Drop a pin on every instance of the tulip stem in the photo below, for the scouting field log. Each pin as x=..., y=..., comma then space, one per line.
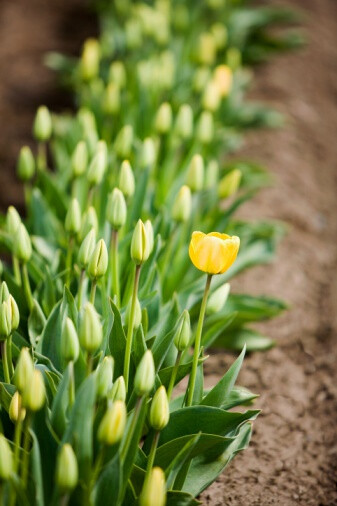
x=152, y=454
x=197, y=342
x=26, y=287
x=93, y=291
x=80, y=289
x=69, y=260
x=5, y=361
x=9, y=355
x=41, y=156
x=17, y=440
x=16, y=270
x=130, y=328
x=25, y=457
x=173, y=376
x=115, y=266
x=71, y=384
x=129, y=434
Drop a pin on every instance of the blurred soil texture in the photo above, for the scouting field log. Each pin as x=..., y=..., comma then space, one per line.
x=292, y=459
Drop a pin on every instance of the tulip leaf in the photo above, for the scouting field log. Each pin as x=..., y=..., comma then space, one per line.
x=110, y=479
x=36, y=323
x=236, y=339
x=178, y=498
x=59, y=407
x=117, y=341
x=37, y=471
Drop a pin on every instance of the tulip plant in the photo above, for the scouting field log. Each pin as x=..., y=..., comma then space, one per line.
x=118, y=279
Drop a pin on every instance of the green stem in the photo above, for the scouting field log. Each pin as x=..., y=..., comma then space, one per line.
x=5, y=361
x=129, y=434
x=69, y=260
x=80, y=290
x=115, y=266
x=9, y=355
x=26, y=287
x=197, y=342
x=71, y=384
x=25, y=457
x=17, y=441
x=173, y=376
x=64, y=499
x=130, y=328
x=152, y=454
x=42, y=156
x=93, y=291
x=16, y=270
x=89, y=364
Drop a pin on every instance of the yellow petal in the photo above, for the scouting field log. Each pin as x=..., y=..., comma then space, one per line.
x=224, y=237
x=196, y=238
x=209, y=255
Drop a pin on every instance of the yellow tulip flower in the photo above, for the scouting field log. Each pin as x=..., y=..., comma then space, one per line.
x=213, y=253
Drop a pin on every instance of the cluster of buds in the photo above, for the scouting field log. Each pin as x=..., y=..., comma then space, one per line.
x=29, y=382
x=9, y=313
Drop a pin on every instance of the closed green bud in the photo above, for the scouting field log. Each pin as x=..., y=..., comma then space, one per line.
x=13, y=220
x=154, y=489
x=149, y=237
x=66, y=469
x=116, y=209
x=184, y=122
x=112, y=426
x=205, y=127
x=5, y=321
x=98, y=263
x=104, y=376
x=182, y=206
x=211, y=99
x=117, y=74
x=90, y=221
x=42, y=124
x=34, y=393
x=145, y=375
x=229, y=184
x=69, y=342
x=22, y=246
x=163, y=121
x=233, y=58
x=220, y=34
x=123, y=142
x=24, y=370
x=138, y=314
x=73, y=218
x=212, y=174
x=182, y=336
x=112, y=99
x=90, y=332
x=133, y=33
x=207, y=49
x=16, y=410
x=4, y=292
x=139, y=246
x=159, y=411
x=86, y=249
x=218, y=299
x=98, y=164
x=126, y=179
x=14, y=312
x=89, y=64
x=6, y=460
x=148, y=154
x=26, y=164
x=195, y=173
x=79, y=159
x=118, y=391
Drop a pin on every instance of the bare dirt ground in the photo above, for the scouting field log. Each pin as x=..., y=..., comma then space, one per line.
x=292, y=459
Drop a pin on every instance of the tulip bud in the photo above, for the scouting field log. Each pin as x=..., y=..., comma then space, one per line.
x=145, y=375
x=211, y=98
x=26, y=164
x=98, y=164
x=98, y=263
x=126, y=179
x=159, y=411
x=184, y=122
x=148, y=155
x=163, y=121
x=16, y=411
x=90, y=221
x=212, y=174
x=69, y=342
x=117, y=74
x=86, y=249
x=90, y=332
x=137, y=316
x=201, y=78
x=42, y=124
x=22, y=245
x=112, y=426
x=104, y=376
x=79, y=159
x=66, y=469
x=182, y=336
x=182, y=206
x=14, y=313
x=233, y=58
x=154, y=489
x=205, y=127
x=6, y=460
x=195, y=173
x=116, y=209
x=220, y=34
x=139, y=247
x=24, y=370
x=4, y=292
x=13, y=220
x=133, y=33
x=230, y=183
x=207, y=49
x=5, y=321
x=89, y=64
x=218, y=299
x=34, y=393
x=223, y=78
x=73, y=218
x=112, y=99
x=149, y=237
x=123, y=142
x=118, y=391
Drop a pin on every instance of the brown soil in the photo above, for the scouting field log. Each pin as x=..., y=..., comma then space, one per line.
x=293, y=454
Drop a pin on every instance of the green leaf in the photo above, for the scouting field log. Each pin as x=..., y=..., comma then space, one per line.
x=117, y=341
x=36, y=323
x=59, y=407
x=177, y=498
x=36, y=471
x=236, y=339
x=109, y=483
